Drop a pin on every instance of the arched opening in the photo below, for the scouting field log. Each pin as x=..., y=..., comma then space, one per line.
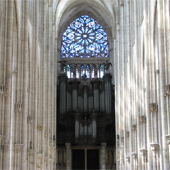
x=86, y=113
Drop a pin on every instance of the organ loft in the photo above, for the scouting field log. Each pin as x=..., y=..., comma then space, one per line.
x=84, y=84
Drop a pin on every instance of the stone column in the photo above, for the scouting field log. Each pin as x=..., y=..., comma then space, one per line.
x=153, y=108
x=167, y=95
x=1, y=149
x=68, y=156
x=161, y=21
x=103, y=156
x=155, y=150
x=144, y=158
x=134, y=161
x=18, y=156
x=8, y=151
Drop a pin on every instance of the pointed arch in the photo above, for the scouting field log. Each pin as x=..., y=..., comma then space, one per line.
x=84, y=37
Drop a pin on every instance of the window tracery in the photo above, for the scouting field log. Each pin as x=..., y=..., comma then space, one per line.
x=84, y=38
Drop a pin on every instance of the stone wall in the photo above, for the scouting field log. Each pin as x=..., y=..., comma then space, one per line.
x=27, y=85
x=30, y=38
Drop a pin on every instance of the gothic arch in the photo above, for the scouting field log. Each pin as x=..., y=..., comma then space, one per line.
x=73, y=10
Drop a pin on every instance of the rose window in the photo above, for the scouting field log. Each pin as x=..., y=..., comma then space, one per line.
x=84, y=37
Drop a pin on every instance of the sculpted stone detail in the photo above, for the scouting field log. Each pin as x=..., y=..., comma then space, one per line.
x=122, y=160
x=153, y=107
x=18, y=147
x=40, y=127
x=19, y=107
x=127, y=133
x=3, y=90
x=134, y=155
x=144, y=154
x=154, y=146
x=168, y=139
x=142, y=119
x=166, y=90
x=134, y=127
x=14, y=71
x=128, y=158
x=30, y=119
x=46, y=134
x=122, y=141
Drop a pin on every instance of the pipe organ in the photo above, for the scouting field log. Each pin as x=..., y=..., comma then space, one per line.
x=86, y=105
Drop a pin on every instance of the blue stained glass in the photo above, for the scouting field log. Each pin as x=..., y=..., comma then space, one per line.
x=84, y=37
x=88, y=66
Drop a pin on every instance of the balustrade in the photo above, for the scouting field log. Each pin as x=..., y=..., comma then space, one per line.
x=84, y=70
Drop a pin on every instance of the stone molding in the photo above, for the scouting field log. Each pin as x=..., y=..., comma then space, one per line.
x=118, y=143
x=118, y=161
x=157, y=72
x=142, y=119
x=168, y=139
x=122, y=141
x=40, y=127
x=144, y=154
x=134, y=155
x=128, y=158
x=166, y=90
x=18, y=146
x=3, y=90
x=30, y=119
x=122, y=160
x=46, y=134
x=2, y=136
x=31, y=151
x=121, y=3
x=134, y=127
x=154, y=147
x=2, y=142
x=91, y=60
x=6, y=146
x=39, y=156
x=19, y=107
x=153, y=107
x=127, y=133
x=45, y=158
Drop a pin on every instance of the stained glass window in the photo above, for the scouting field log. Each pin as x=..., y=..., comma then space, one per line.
x=84, y=37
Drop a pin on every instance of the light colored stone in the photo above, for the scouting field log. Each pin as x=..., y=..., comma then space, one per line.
x=30, y=42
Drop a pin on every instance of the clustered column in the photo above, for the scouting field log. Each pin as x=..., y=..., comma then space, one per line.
x=103, y=156
x=68, y=156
